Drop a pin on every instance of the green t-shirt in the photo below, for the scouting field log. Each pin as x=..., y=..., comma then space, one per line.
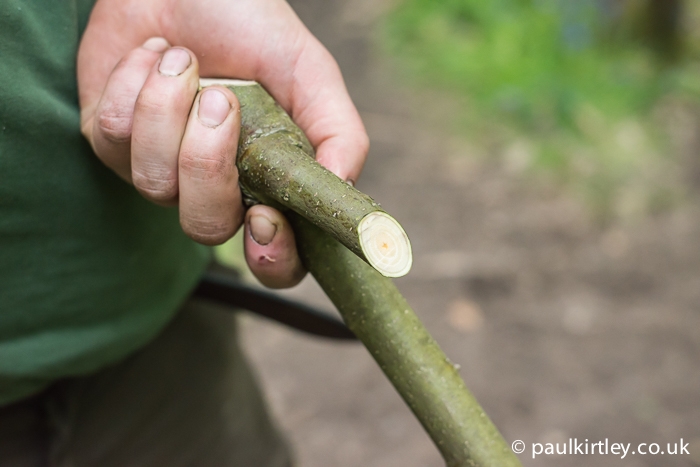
x=89, y=270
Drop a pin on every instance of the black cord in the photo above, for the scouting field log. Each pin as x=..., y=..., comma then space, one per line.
x=223, y=286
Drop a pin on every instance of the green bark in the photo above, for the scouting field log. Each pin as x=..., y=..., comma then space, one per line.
x=275, y=169
x=275, y=162
x=380, y=317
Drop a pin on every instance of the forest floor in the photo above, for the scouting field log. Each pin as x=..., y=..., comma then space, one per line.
x=563, y=328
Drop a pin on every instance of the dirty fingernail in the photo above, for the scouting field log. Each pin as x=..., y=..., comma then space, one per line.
x=262, y=230
x=156, y=44
x=175, y=61
x=213, y=108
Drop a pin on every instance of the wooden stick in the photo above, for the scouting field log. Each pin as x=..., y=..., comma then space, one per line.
x=336, y=239
x=275, y=168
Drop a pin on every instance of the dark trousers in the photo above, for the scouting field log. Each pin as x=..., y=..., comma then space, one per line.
x=188, y=399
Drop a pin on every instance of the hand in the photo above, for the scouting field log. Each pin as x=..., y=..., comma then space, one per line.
x=144, y=118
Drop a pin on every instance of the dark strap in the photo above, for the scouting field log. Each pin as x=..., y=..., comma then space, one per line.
x=224, y=288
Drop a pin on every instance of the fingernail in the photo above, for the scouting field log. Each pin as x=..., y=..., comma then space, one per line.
x=262, y=230
x=213, y=108
x=175, y=61
x=350, y=182
x=156, y=44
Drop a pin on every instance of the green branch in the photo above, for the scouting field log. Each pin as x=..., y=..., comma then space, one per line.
x=276, y=167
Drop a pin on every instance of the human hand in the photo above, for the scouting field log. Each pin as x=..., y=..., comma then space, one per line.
x=144, y=118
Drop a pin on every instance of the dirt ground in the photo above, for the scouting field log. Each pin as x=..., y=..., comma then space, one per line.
x=562, y=329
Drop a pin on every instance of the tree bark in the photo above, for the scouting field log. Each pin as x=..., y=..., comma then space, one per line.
x=275, y=168
x=426, y=379
x=369, y=303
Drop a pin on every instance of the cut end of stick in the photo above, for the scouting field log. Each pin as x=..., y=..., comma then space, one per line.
x=385, y=244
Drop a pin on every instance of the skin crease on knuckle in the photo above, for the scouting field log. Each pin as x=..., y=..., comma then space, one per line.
x=212, y=222
x=160, y=189
x=210, y=167
x=114, y=123
x=158, y=103
x=210, y=232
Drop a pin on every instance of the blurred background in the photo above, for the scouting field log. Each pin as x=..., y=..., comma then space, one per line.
x=544, y=158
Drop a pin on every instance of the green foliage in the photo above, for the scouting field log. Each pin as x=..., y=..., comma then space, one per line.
x=555, y=77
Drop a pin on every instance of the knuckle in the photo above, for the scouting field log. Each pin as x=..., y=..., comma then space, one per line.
x=114, y=124
x=209, y=232
x=155, y=188
x=154, y=102
x=214, y=168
